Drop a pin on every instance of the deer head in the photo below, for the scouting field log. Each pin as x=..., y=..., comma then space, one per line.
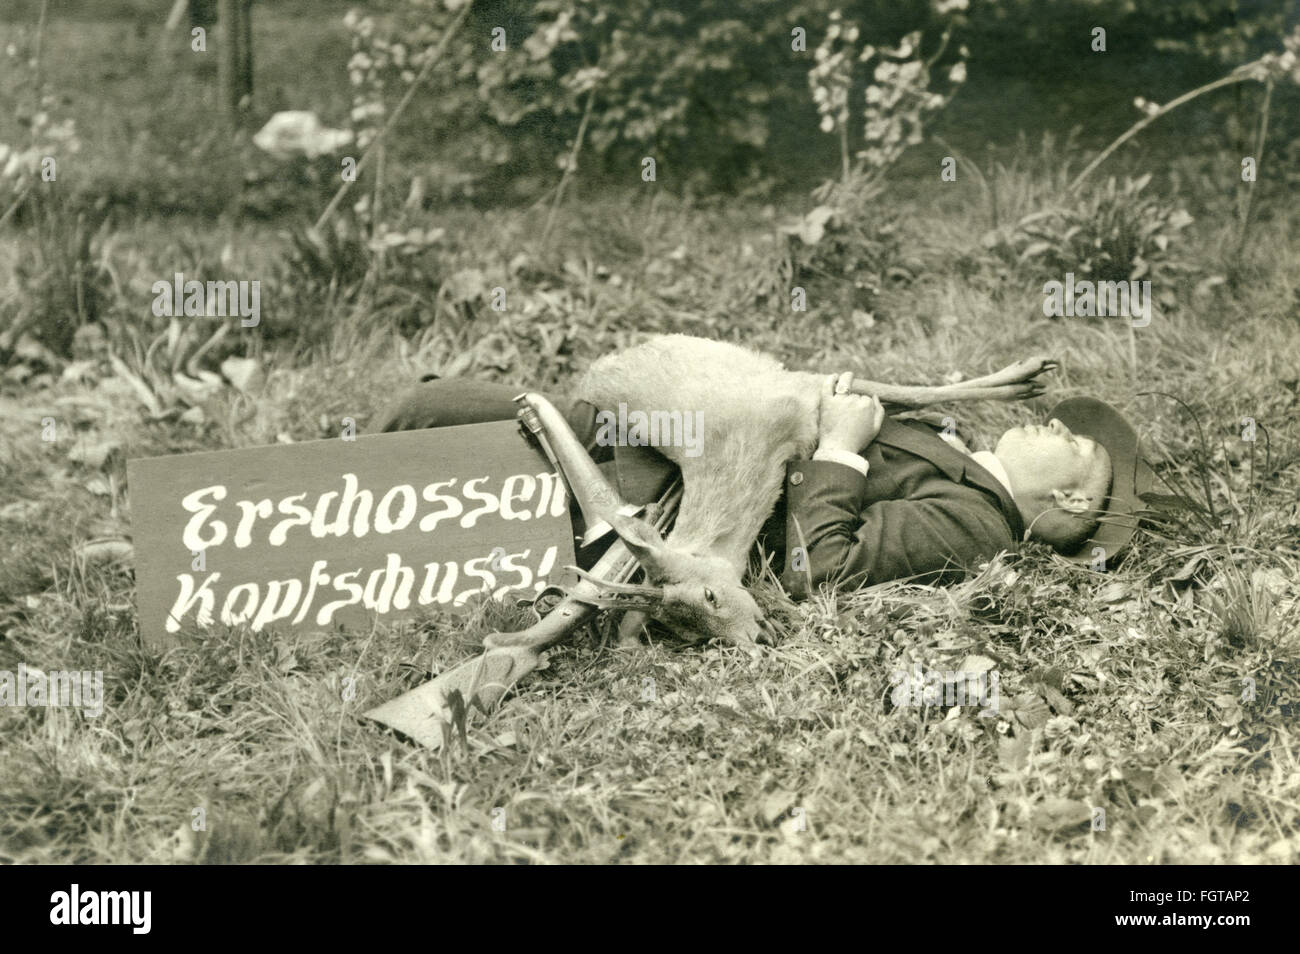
x=696, y=595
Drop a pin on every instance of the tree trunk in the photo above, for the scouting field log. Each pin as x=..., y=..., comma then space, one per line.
x=245, y=72
x=235, y=59
x=203, y=13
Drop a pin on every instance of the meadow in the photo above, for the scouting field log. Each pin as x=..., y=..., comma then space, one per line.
x=1163, y=691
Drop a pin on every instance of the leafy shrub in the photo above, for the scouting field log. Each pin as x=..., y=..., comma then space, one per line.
x=333, y=259
x=850, y=237
x=1111, y=232
x=849, y=245
x=705, y=86
x=61, y=286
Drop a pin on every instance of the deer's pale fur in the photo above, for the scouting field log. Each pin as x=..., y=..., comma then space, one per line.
x=756, y=415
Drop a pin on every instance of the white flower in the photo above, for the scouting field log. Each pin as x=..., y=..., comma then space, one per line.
x=828, y=123
x=1147, y=107
x=299, y=132
x=958, y=73
x=22, y=163
x=364, y=111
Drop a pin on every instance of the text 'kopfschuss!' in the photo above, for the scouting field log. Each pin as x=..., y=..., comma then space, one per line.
x=306, y=536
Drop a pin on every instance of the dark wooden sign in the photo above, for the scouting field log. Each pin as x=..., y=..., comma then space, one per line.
x=306, y=536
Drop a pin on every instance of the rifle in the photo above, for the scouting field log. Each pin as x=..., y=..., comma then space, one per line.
x=480, y=683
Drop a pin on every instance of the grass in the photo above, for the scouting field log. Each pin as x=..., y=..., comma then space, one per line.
x=1123, y=691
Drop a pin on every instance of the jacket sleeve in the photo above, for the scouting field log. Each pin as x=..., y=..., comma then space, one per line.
x=834, y=534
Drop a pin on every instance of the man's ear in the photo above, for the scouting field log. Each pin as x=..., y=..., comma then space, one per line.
x=1076, y=501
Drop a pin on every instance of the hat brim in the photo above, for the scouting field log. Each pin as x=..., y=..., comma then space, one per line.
x=1131, y=476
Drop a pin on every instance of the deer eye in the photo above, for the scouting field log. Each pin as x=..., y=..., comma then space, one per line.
x=710, y=598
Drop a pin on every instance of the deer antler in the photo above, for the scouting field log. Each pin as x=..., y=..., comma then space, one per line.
x=508, y=657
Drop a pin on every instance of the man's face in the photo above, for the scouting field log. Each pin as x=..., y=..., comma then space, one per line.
x=1051, y=469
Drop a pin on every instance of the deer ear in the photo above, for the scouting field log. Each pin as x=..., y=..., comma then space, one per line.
x=636, y=533
x=644, y=541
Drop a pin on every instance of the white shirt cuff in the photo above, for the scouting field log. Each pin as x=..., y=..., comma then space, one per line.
x=856, y=461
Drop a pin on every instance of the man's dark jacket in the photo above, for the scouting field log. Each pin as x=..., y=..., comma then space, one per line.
x=925, y=510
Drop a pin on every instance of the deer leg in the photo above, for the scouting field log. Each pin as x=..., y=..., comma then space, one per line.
x=1017, y=373
x=1016, y=382
x=904, y=397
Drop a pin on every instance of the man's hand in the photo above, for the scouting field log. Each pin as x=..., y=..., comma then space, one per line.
x=849, y=422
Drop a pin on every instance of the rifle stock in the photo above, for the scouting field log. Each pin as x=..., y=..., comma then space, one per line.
x=507, y=657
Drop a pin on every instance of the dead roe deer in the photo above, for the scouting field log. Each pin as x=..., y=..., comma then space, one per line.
x=756, y=416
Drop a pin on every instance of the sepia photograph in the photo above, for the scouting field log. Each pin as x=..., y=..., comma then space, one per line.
x=650, y=432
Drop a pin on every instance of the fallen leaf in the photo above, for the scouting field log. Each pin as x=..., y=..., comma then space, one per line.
x=1030, y=710
x=94, y=455
x=106, y=551
x=775, y=803
x=977, y=664
x=78, y=371
x=1188, y=569
x=1013, y=751
x=1056, y=700
x=244, y=373
x=1055, y=814
x=20, y=510
x=1114, y=592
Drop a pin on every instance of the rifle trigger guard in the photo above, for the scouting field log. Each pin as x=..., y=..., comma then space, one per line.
x=547, y=600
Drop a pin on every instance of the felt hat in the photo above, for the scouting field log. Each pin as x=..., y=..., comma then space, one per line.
x=1131, y=476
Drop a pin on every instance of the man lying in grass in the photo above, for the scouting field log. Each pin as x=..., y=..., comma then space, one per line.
x=885, y=498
